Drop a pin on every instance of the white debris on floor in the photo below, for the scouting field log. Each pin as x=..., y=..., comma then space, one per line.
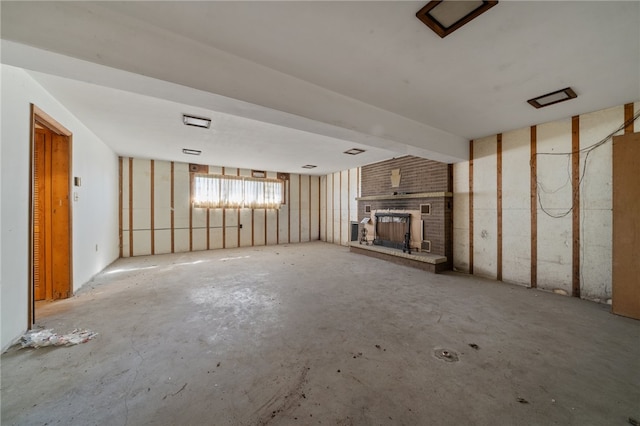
x=41, y=338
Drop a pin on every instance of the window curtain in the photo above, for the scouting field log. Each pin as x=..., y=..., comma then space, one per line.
x=236, y=192
x=262, y=193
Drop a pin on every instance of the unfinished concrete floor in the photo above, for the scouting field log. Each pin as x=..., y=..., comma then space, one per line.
x=312, y=334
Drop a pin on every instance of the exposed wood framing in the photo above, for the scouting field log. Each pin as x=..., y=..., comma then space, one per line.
x=499, y=206
x=130, y=207
x=534, y=207
x=120, y=206
x=471, y=207
x=153, y=241
x=628, y=116
x=173, y=237
x=575, y=184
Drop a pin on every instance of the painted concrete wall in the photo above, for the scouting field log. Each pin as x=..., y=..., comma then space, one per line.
x=338, y=205
x=461, y=217
x=95, y=219
x=484, y=207
x=516, y=211
x=596, y=204
x=296, y=221
x=553, y=226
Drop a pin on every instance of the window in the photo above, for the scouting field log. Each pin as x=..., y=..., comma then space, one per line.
x=236, y=192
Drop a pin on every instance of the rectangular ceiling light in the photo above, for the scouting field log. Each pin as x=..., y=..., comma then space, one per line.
x=190, y=120
x=446, y=16
x=354, y=151
x=553, y=98
x=191, y=151
x=309, y=166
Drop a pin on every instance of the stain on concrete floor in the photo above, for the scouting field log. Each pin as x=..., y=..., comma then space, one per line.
x=312, y=334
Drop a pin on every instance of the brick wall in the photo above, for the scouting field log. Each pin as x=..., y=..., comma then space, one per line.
x=418, y=175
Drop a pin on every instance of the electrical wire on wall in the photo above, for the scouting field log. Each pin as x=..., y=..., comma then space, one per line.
x=586, y=151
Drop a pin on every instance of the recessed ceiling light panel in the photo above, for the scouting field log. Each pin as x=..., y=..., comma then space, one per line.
x=309, y=166
x=354, y=151
x=553, y=98
x=446, y=16
x=190, y=120
x=191, y=151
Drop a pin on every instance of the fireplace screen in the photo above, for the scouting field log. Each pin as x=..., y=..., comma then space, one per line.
x=393, y=230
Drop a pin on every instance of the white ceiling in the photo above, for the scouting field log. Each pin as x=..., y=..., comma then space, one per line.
x=297, y=82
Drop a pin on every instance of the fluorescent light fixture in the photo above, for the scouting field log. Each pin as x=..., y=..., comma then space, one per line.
x=191, y=120
x=309, y=166
x=354, y=151
x=553, y=98
x=191, y=151
x=446, y=16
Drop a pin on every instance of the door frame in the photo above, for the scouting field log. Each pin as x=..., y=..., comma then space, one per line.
x=40, y=117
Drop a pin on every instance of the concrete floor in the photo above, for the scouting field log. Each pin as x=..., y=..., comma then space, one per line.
x=312, y=334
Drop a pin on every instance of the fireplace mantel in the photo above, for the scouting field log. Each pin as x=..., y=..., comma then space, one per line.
x=405, y=196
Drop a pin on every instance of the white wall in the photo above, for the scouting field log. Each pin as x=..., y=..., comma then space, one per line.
x=484, y=207
x=554, y=263
x=338, y=205
x=95, y=220
x=516, y=207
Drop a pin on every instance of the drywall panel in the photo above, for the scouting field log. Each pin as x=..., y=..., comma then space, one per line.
x=272, y=226
x=142, y=242
x=231, y=228
x=215, y=228
x=283, y=219
x=181, y=240
x=354, y=192
x=461, y=216
x=95, y=213
x=516, y=207
x=337, y=208
x=141, y=195
x=199, y=229
x=323, y=208
x=162, y=238
x=294, y=219
x=162, y=195
x=596, y=203
x=554, y=206
x=305, y=211
x=484, y=207
x=259, y=228
x=246, y=231
x=181, y=196
x=345, y=210
x=314, y=206
x=353, y=203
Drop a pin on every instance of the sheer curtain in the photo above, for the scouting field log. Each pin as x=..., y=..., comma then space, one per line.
x=262, y=193
x=236, y=192
x=231, y=194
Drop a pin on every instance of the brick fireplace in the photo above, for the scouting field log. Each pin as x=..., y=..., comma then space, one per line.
x=415, y=187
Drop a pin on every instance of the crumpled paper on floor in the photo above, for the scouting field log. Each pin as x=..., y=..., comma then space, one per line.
x=41, y=338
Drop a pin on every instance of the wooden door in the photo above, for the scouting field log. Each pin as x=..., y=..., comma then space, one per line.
x=41, y=169
x=60, y=218
x=51, y=216
x=626, y=226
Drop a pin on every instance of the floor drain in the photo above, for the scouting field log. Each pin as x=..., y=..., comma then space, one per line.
x=446, y=355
